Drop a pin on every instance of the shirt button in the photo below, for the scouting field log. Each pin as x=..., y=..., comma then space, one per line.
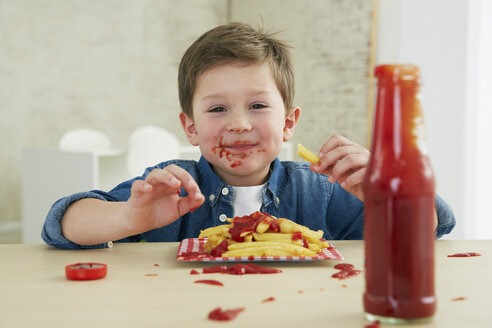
x=222, y=218
x=225, y=191
x=211, y=197
x=277, y=200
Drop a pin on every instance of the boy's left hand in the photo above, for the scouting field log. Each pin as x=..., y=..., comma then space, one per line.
x=344, y=162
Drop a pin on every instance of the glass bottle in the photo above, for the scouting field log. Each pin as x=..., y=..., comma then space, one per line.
x=399, y=204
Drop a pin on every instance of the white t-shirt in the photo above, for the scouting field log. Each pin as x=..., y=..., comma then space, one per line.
x=247, y=199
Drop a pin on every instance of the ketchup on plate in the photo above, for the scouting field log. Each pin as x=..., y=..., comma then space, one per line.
x=399, y=204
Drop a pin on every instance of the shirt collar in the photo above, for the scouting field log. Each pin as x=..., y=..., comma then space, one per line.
x=212, y=184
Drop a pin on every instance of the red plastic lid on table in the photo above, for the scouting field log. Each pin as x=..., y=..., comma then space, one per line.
x=86, y=271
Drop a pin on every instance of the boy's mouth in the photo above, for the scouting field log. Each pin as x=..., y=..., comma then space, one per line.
x=240, y=146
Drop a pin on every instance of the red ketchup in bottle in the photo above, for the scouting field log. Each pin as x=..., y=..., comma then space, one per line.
x=399, y=204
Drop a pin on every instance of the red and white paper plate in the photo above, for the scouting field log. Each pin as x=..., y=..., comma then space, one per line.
x=191, y=249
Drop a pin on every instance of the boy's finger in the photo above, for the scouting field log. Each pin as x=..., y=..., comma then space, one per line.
x=351, y=162
x=333, y=142
x=163, y=176
x=139, y=187
x=354, y=178
x=334, y=156
x=190, y=203
x=187, y=181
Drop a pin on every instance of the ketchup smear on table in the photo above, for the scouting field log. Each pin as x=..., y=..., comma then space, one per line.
x=346, y=271
x=459, y=299
x=194, y=272
x=375, y=324
x=227, y=315
x=209, y=282
x=240, y=269
x=470, y=254
x=270, y=299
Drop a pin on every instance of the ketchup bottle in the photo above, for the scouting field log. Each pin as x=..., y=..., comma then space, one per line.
x=399, y=204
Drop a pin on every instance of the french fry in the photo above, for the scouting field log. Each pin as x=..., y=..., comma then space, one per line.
x=268, y=236
x=264, y=235
x=271, y=249
x=222, y=229
x=306, y=154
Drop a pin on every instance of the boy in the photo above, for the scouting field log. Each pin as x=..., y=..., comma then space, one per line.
x=236, y=89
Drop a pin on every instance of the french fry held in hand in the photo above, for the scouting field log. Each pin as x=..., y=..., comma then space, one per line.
x=306, y=154
x=261, y=234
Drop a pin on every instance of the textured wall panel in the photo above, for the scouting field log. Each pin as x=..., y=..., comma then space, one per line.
x=109, y=65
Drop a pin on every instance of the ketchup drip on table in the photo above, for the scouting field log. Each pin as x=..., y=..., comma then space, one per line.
x=194, y=272
x=469, y=254
x=375, y=324
x=209, y=282
x=240, y=269
x=227, y=315
x=458, y=299
x=346, y=271
x=249, y=223
x=344, y=266
x=270, y=299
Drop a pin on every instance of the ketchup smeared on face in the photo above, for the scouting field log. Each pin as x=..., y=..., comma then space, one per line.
x=209, y=282
x=470, y=254
x=346, y=271
x=227, y=315
x=240, y=269
x=225, y=152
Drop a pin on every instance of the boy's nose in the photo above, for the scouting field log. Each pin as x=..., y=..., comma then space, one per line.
x=239, y=123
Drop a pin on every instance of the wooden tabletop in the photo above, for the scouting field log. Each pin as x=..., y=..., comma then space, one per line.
x=35, y=293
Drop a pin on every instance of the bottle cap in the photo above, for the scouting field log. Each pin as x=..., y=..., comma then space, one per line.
x=397, y=73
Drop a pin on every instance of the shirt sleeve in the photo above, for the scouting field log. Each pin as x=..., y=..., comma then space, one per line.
x=52, y=233
x=345, y=215
x=445, y=217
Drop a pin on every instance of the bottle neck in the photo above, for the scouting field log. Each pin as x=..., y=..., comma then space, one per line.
x=398, y=121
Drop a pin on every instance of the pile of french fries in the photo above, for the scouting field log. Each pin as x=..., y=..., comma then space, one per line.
x=290, y=239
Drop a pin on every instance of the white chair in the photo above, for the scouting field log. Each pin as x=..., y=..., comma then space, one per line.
x=84, y=140
x=148, y=146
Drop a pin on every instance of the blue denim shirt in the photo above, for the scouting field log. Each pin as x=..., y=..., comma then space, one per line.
x=293, y=191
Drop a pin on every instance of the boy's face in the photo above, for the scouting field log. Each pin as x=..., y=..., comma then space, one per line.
x=239, y=121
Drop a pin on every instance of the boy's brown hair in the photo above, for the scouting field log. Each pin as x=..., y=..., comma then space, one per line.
x=231, y=42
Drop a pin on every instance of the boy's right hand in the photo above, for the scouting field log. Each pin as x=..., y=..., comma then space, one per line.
x=155, y=201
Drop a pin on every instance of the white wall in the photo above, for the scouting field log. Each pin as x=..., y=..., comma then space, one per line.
x=433, y=35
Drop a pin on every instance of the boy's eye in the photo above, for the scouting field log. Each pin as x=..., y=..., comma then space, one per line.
x=257, y=106
x=217, y=109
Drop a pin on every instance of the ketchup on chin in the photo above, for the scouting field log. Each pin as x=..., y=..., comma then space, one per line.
x=399, y=204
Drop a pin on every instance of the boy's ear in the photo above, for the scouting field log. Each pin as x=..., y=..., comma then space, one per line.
x=189, y=128
x=290, y=122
